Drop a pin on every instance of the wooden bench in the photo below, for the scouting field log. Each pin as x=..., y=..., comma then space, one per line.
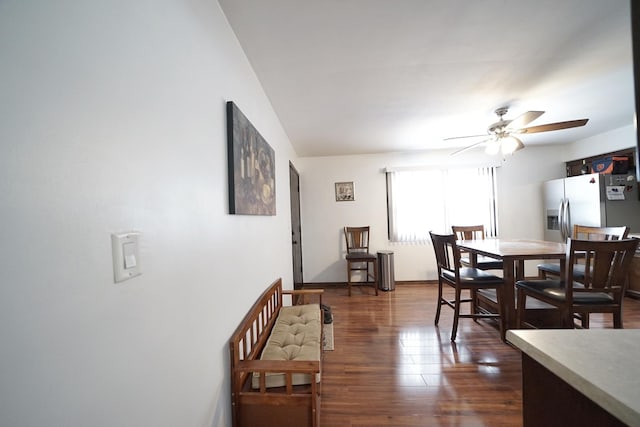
x=289, y=405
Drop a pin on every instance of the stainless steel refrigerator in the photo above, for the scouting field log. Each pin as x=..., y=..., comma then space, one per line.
x=597, y=200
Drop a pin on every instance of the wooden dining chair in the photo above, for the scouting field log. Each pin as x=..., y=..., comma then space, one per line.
x=606, y=265
x=475, y=232
x=358, y=257
x=583, y=232
x=452, y=274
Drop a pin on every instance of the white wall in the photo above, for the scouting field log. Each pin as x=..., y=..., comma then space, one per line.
x=112, y=119
x=618, y=139
x=519, y=197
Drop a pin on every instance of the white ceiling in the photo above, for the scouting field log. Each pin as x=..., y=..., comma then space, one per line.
x=371, y=76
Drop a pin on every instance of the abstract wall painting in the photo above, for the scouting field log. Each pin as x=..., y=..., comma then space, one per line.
x=252, y=167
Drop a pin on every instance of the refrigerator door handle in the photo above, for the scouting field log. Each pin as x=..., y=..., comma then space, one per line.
x=561, y=219
x=567, y=219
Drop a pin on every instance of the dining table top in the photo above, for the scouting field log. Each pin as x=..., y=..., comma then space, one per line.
x=514, y=248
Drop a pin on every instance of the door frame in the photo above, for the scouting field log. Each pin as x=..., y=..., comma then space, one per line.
x=296, y=227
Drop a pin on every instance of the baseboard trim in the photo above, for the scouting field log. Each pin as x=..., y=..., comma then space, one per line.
x=344, y=284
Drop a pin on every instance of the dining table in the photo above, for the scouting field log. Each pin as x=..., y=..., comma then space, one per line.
x=513, y=253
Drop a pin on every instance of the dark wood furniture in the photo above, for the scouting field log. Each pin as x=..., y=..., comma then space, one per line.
x=358, y=257
x=600, y=290
x=550, y=401
x=513, y=253
x=475, y=232
x=471, y=279
x=584, y=232
x=291, y=405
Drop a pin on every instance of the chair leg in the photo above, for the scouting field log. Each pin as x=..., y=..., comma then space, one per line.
x=474, y=303
x=567, y=319
x=501, y=312
x=522, y=304
x=584, y=320
x=617, y=320
x=456, y=314
x=439, y=302
x=349, y=277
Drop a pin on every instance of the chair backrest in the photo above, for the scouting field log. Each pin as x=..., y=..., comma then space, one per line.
x=607, y=263
x=357, y=239
x=446, y=250
x=584, y=232
x=468, y=232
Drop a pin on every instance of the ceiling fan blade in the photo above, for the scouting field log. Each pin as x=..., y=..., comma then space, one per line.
x=468, y=136
x=524, y=119
x=555, y=126
x=469, y=147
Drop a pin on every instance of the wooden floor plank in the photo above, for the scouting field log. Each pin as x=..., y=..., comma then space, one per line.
x=392, y=367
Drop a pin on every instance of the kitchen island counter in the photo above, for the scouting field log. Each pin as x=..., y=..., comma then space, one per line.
x=601, y=365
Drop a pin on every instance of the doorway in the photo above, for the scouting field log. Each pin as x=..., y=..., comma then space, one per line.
x=296, y=227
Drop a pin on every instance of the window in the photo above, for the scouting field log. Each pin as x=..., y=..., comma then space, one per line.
x=423, y=200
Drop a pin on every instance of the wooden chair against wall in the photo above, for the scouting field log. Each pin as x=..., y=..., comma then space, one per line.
x=602, y=289
x=475, y=232
x=451, y=273
x=358, y=257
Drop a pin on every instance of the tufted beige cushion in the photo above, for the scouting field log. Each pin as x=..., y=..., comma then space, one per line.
x=296, y=335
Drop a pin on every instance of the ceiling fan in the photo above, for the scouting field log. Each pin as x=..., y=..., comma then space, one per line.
x=501, y=133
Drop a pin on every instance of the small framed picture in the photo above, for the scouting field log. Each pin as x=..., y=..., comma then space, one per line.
x=344, y=192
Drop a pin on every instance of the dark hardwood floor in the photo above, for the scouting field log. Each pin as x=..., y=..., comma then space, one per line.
x=392, y=367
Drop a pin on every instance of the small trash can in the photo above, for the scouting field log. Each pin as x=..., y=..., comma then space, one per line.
x=386, y=278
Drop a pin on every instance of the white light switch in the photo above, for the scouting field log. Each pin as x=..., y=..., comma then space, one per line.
x=129, y=261
x=126, y=255
x=129, y=251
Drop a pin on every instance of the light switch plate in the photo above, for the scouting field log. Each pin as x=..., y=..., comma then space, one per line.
x=126, y=255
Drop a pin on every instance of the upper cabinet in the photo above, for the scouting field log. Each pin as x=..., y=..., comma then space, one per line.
x=582, y=166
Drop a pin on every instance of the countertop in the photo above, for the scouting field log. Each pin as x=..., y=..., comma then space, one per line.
x=602, y=364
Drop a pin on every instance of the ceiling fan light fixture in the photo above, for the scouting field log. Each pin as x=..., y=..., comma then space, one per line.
x=493, y=147
x=503, y=130
x=510, y=145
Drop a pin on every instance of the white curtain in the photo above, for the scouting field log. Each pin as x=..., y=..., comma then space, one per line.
x=423, y=200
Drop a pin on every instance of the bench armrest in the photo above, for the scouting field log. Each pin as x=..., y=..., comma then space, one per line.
x=302, y=296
